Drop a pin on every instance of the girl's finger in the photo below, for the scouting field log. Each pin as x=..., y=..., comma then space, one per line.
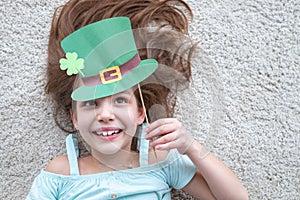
x=160, y=131
x=164, y=139
x=158, y=123
x=167, y=146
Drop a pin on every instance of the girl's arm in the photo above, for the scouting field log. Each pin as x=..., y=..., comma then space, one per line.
x=221, y=181
x=213, y=180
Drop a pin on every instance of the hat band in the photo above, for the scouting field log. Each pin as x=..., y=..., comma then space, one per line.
x=112, y=74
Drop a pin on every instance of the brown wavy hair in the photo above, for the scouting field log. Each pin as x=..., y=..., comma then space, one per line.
x=165, y=41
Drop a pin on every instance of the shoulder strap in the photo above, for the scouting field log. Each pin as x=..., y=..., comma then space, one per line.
x=73, y=153
x=143, y=147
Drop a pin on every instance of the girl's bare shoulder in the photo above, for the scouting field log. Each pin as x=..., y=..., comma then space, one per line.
x=59, y=165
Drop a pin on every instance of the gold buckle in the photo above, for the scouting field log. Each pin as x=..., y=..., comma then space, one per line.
x=114, y=71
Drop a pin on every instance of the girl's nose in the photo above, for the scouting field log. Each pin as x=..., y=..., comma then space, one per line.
x=105, y=112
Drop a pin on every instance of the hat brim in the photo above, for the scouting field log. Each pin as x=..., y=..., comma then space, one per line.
x=130, y=79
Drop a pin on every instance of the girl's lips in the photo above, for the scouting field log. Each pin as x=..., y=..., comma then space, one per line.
x=108, y=134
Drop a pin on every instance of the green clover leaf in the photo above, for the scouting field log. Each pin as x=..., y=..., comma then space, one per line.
x=72, y=64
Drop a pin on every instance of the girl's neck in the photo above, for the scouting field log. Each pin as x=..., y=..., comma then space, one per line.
x=124, y=159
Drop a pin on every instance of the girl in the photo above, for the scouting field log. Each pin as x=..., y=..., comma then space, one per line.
x=109, y=87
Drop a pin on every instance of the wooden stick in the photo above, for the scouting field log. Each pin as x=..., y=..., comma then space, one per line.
x=144, y=109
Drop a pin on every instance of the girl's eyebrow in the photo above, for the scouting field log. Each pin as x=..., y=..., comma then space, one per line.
x=126, y=92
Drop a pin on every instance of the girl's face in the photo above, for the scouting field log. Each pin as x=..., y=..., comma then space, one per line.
x=108, y=124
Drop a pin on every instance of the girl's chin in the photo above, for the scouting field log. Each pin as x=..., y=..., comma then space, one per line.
x=111, y=149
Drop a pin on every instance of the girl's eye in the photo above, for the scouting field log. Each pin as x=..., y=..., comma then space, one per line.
x=89, y=103
x=121, y=100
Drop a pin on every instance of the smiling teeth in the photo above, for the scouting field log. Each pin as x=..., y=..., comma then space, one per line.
x=108, y=133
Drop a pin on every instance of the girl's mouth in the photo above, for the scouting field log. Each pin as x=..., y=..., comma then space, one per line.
x=108, y=135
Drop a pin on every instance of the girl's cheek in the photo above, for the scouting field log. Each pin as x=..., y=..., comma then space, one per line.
x=84, y=118
x=130, y=115
x=122, y=112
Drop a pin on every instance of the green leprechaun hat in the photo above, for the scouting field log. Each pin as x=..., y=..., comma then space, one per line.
x=105, y=56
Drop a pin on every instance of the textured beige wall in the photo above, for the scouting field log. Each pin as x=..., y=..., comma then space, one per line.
x=247, y=103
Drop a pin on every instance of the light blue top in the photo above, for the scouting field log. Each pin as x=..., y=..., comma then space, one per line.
x=147, y=182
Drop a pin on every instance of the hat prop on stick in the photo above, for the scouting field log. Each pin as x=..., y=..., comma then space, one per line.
x=105, y=57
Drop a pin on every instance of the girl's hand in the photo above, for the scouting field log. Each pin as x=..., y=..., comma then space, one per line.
x=168, y=133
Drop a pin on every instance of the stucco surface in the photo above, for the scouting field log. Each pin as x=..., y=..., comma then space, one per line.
x=244, y=104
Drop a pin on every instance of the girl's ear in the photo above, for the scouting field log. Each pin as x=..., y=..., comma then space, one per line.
x=142, y=116
x=73, y=117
